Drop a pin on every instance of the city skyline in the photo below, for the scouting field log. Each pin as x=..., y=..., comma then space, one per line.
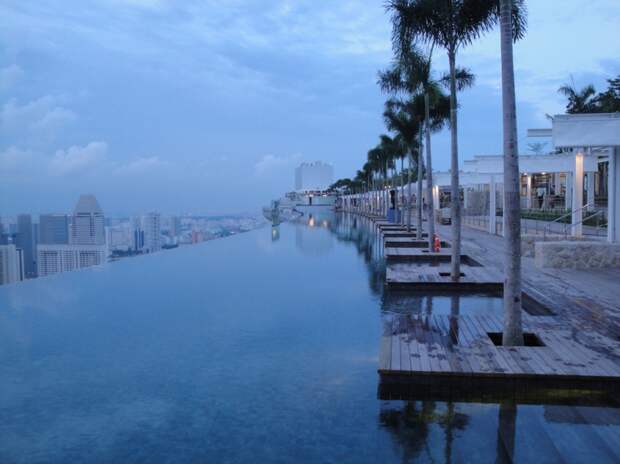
x=144, y=102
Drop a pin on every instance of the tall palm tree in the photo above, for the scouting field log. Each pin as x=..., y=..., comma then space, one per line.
x=401, y=118
x=373, y=164
x=513, y=331
x=451, y=25
x=396, y=149
x=412, y=74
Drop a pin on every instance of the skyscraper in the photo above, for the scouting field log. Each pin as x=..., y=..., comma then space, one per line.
x=25, y=241
x=313, y=176
x=151, y=225
x=54, y=229
x=175, y=226
x=11, y=264
x=86, y=241
x=88, y=223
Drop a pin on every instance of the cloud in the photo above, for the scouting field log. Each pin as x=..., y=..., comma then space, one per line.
x=9, y=76
x=141, y=166
x=41, y=117
x=14, y=160
x=77, y=159
x=270, y=163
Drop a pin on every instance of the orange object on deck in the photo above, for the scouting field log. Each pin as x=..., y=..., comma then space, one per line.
x=436, y=243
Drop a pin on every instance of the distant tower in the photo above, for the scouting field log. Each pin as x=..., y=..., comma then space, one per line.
x=25, y=241
x=88, y=223
x=86, y=245
x=175, y=226
x=151, y=225
x=315, y=176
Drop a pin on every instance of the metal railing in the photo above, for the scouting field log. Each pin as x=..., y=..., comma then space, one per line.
x=566, y=226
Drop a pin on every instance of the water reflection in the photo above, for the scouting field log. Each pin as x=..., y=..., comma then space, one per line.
x=438, y=426
x=503, y=432
x=412, y=426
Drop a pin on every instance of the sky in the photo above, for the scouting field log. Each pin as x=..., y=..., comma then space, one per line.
x=207, y=106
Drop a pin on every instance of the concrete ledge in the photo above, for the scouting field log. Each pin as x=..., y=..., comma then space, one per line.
x=577, y=255
x=528, y=242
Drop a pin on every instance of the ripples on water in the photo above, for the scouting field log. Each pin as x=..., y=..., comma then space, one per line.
x=260, y=347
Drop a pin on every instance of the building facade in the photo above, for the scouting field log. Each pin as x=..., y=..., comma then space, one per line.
x=315, y=176
x=11, y=264
x=53, y=259
x=151, y=226
x=53, y=229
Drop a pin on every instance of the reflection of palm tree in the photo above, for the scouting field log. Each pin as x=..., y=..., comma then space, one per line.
x=506, y=431
x=411, y=425
x=454, y=319
x=362, y=235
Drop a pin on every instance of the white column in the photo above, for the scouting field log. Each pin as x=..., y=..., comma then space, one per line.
x=568, y=194
x=436, y=196
x=492, y=206
x=577, y=204
x=528, y=191
x=590, y=185
x=504, y=211
x=613, y=179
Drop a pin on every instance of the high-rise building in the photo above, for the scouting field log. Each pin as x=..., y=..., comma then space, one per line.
x=87, y=223
x=175, y=226
x=25, y=241
x=315, y=176
x=151, y=225
x=54, y=229
x=11, y=264
x=52, y=259
x=87, y=245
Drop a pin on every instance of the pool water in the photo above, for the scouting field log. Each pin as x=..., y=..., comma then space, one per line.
x=260, y=347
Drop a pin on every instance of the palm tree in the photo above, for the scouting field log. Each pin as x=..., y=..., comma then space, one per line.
x=450, y=25
x=513, y=331
x=374, y=157
x=412, y=74
x=395, y=149
x=579, y=101
x=401, y=118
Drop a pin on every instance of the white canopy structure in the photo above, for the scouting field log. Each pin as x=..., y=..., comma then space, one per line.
x=585, y=132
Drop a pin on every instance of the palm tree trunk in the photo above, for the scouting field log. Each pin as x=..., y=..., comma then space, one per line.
x=455, y=215
x=409, y=179
x=513, y=331
x=402, y=190
x=429, y=173
x=420, y=180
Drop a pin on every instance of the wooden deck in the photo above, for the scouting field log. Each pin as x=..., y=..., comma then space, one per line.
x=436, y=276
x=419, y=255
x=398, y=233
x=409, y=242
x=451, y=350
x=453, y=358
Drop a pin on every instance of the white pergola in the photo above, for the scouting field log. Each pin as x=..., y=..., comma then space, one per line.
x=582, y=138
x=585, y=132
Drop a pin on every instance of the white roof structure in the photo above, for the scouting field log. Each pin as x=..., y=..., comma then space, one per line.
x=586, y=130
x=87, y=204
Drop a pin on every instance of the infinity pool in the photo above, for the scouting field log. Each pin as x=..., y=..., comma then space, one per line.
x=261, y=347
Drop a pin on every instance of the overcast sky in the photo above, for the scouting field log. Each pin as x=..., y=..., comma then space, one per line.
x=206, y=106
